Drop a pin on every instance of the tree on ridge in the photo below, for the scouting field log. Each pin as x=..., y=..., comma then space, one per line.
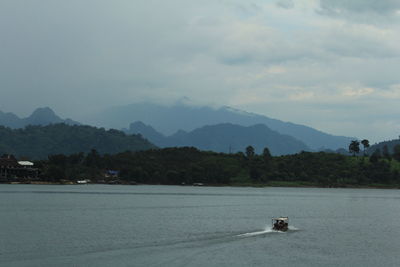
x=354, y=147
x=365, y=144
x=250, y=152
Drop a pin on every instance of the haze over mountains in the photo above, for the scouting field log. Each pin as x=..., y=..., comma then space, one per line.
x=224, y=137
x=218, y=129
x=41, y=116
x=170, y=119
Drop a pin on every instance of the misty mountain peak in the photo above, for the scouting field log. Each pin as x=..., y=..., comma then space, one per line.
x=138, y=124
x=43, y=112
x=237, y=111
x=9, y=120
x=43, y=116
x=147, y=131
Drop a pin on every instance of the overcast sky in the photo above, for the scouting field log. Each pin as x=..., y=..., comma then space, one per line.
x=330, y=64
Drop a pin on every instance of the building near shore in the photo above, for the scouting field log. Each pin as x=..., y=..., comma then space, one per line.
x=12, y=170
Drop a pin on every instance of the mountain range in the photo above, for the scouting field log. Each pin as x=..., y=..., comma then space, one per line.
x=218, y=129
x=41, y=116
x=170, y=119
x=224, y=137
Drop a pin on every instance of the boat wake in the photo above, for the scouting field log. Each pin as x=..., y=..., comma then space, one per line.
x=267, y=230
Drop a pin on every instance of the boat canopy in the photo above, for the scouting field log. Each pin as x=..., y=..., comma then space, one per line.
x=281, y=219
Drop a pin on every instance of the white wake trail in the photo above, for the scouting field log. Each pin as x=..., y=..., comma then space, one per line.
x=267, y=230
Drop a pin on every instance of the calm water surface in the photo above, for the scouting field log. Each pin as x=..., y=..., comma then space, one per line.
x=100, y=225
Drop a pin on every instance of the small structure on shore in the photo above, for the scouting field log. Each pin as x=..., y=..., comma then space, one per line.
x=12, y=170
x=280, y=224
x=111, y=174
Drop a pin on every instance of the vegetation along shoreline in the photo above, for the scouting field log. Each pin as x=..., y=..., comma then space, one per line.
x=190, y=166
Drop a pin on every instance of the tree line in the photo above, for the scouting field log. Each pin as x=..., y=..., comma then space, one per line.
x=188, y=165
x=354, y=148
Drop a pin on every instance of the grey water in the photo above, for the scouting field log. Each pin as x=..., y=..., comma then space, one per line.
x=112, y=225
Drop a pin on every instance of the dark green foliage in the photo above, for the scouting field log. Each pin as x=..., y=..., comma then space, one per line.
x=266, y=155
x=354, y=147
x=189, y=165
x=250, y=152
x=365, y=144
x=375, y=156
x=167, y=166
x=37, y=142
x=386, y=153
x=396, y=152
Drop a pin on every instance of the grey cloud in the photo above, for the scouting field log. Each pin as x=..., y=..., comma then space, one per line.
x=287, y=4
x=361, y=11
x=360, y=6
x=247, y=10
x=348, y=43
x=76, y=56
x=236, y=59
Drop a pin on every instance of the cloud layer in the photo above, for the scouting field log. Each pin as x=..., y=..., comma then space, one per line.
x=330, y=64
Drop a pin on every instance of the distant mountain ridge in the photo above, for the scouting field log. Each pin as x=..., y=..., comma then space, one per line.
x=181, y=117
x=41, y=116
x=225, y=137
x=169, y=119
x=380, y=146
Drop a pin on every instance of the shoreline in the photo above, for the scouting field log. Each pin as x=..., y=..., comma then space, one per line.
x=270, y=184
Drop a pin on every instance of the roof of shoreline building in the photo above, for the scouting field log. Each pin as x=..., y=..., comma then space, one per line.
x=281, y=219
x=25, y=163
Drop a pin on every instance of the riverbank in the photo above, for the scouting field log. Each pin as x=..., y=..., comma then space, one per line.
x=190, y=166
x=292, y=184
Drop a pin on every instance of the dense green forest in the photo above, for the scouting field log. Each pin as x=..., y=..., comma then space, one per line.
x=188, y=165
x=37, y=142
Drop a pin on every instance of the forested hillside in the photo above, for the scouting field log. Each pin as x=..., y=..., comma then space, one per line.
x=37, y=142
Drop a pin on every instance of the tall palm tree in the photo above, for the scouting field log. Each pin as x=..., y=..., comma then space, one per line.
x=354, y=147
x=365, y=144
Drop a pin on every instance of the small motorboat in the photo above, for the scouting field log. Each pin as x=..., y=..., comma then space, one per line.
x=280, y=224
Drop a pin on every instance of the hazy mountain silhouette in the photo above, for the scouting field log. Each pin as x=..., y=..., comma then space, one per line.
x=169, y=119
x=224, y=137
x=10, y=120
x=41, y=116
x=390, y=144
x=147, y=132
